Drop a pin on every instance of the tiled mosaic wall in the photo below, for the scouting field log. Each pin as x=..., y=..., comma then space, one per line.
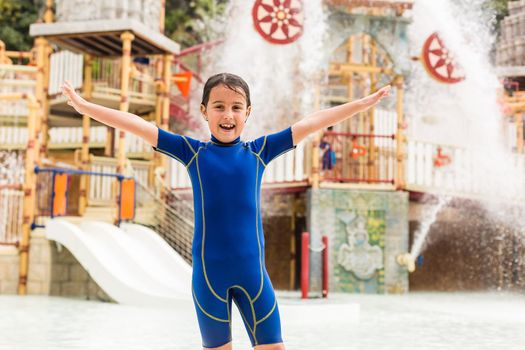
x=366, y=231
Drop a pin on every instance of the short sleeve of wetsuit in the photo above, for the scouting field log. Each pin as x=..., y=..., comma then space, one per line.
x=181, y=148
x=273, y=145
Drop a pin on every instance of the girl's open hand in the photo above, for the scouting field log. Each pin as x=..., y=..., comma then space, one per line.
x=376, y=97
x=73, y=99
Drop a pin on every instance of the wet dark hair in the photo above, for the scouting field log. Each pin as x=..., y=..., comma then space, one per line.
x=231, y=81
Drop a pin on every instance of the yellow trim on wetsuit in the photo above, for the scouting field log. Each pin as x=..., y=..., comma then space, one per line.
x=189, y=144
x=192, y=158
x=257, y=230
x=204, y=235
x=258, y=156
x=206, y=313
x=169, y=154
x=269, y=313
x=264, y=144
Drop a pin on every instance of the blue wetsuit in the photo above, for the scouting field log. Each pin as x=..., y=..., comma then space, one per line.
x=228, y=242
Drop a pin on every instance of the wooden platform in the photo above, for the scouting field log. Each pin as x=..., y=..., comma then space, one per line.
x=510, y=71
x=101, y=38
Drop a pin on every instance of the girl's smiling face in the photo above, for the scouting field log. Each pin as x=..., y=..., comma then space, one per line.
x=226, y=112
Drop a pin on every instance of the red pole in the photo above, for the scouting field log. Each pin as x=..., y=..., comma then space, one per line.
x=325, y=266
x=305, y=264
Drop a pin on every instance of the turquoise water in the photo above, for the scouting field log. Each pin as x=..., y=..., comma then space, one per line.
x=419, y=321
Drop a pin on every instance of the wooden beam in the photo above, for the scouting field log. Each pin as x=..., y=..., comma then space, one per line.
x=86, y=123
x=345, y=68
x=116, y=48
x=77, y=47
x=400, y=138
x=89, y=42
x=112, y=40
x=143, y=48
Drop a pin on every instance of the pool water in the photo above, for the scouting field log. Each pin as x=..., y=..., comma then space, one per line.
x=422, y=321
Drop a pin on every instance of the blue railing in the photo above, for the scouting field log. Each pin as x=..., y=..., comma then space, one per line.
x=59, y=171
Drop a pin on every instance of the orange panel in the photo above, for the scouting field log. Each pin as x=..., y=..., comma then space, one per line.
x=183, y=81
x=127, y=207
x=60, y=191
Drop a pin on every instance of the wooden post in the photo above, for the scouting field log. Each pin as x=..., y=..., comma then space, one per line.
x=86, y=122
x=48, y=18
x=162, y=15
x=41, y=49
x=518, y=120
x=165, y=114
x=45, y=101
x=345, y=161
x=166, y=77
x=372, y=156
x=48, y=14
x=159, y=88
x=315, y=179
x=400, y=138
x=127, y=38
x=29, y=193
x=362, y=129
x=293, y=254
x=3, y=54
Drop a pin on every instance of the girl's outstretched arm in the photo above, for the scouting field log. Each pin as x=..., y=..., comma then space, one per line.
x=331, y=116
x=122, y=120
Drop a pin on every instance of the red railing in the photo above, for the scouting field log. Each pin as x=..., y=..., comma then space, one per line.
x=196, y=49
x=358, y=158
x=188, y=60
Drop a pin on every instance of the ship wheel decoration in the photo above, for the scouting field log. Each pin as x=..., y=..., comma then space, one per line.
x=439, y=61
x=279, y=21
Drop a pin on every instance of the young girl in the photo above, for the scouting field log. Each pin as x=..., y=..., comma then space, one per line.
x=226, y=173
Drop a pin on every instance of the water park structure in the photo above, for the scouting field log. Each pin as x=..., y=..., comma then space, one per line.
x=343, y=212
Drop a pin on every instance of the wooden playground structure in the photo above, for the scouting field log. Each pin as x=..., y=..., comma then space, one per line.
x=27, y=77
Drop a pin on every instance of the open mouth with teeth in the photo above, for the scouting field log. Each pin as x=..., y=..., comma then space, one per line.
x=227, y=126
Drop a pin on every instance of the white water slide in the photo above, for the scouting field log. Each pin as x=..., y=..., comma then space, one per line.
x=132, y=264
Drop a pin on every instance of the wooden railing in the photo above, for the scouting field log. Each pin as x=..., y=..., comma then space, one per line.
x=462, y=172
x=106, y=80
x=359, y=158
x=136, y=145
x=12, y=137
x=66, y=65
x=290, y=167
x=12, y=169
x=15, y=137
x=16, y=79
x=101, y=189
x=62, y=136
x=11, y=213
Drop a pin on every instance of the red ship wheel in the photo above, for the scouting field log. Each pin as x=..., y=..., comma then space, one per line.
x=439, y=61
x=278, y=21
